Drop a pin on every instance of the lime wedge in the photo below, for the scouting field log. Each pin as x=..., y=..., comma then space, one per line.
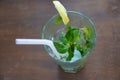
x=62, y=11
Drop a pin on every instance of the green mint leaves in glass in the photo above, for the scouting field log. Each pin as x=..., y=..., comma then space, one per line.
x=74, y=38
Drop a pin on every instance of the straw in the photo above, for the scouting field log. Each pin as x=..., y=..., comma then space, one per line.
x=38, y=42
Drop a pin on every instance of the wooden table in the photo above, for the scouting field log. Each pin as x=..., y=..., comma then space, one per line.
x=26, y=18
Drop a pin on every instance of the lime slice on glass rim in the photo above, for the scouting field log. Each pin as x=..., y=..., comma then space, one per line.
x=62, y=11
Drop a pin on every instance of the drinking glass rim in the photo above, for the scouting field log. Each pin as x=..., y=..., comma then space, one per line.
x=79, y=14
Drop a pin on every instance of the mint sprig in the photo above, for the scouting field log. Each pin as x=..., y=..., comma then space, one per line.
x=61, y=48
x=74, y=38
x=67, y=42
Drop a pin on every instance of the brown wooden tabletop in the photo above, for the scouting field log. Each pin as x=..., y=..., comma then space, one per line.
x=26, y=18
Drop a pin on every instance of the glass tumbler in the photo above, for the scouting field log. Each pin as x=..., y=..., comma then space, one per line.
x=52, y=31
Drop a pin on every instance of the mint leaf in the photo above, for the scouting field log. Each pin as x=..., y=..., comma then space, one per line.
x=60, y=47
x=87, y=33
x=86, y=30
x=76, y=34
x=72, y=35
x=69, y=36
x=78, y=46
x=59, y=20
x=63, y=39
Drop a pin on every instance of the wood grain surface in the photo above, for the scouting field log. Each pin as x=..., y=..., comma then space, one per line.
x=26, y=18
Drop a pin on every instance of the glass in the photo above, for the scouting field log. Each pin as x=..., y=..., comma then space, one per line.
x=52, y=31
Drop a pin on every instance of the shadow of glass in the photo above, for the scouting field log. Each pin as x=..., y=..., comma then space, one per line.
x=69, y=76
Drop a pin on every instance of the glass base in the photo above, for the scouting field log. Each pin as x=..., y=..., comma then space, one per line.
x=73, y=67
x=72, y=70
